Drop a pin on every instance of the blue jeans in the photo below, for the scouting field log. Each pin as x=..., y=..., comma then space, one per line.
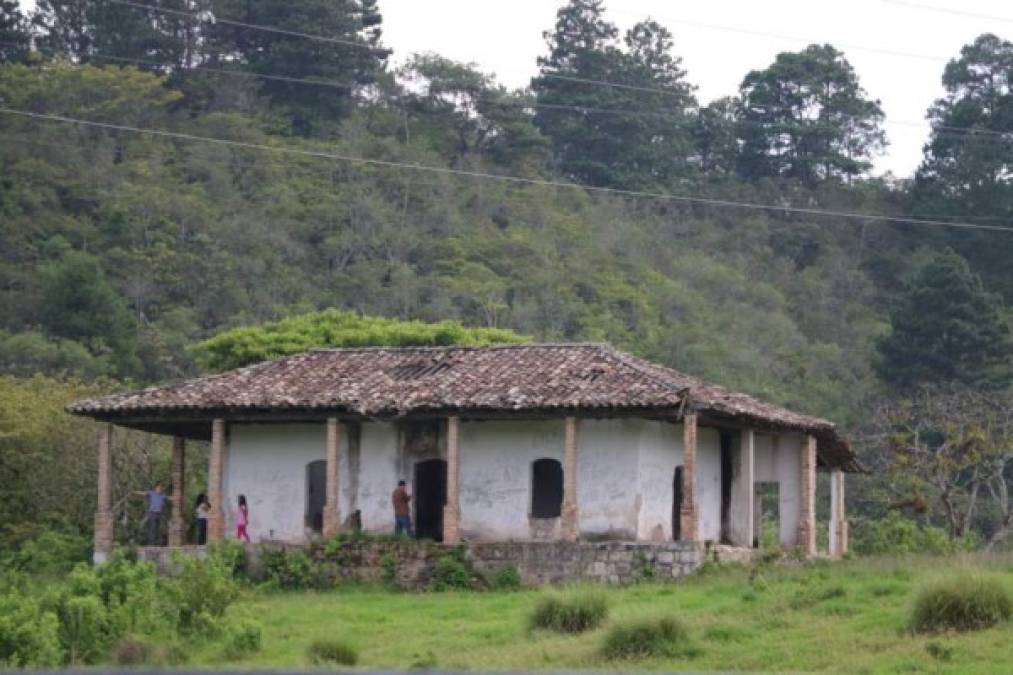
x=403, y=524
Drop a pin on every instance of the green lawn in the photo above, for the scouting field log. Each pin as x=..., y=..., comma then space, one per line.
x=847, y=617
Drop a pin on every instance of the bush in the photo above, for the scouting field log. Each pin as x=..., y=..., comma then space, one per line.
x=202, y=592
x=575, y=613
x=450, y=573
x=133, y=651
x=291, y=570
x=961, y=604
x=645, y=638
x=896, y=534
x=506, y=578
x=84, y=628
x=329, y=651
x=244, y=639
x=51, y=553
x=29, y=635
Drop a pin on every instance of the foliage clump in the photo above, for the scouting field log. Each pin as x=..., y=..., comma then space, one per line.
x=575, y=612
x=451, y=572
x=329, y=651
x=646, y=638
x=506, y=578
x=336, y=328
x=244, y=638
x=961, y=604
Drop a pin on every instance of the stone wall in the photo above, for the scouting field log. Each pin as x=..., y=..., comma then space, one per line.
x=537, y=562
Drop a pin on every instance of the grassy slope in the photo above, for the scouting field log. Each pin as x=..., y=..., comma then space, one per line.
x=841, y=617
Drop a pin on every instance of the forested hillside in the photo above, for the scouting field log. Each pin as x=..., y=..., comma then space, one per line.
x=691, y=234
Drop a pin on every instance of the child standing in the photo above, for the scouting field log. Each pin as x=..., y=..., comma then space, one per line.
x=242, y=519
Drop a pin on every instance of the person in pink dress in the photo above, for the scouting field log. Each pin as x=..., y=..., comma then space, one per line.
x=242, y=519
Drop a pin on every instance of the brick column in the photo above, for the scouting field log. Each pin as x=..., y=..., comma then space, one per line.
x=177, y=520
x=807, y=493
x=570, y=521
x=332, y=509
x=838, y=522
x=741, y=509
x=687, y=510
x=103, y=538
x=452, y=509
x=216, y=518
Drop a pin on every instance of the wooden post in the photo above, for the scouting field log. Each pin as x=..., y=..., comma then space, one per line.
x=103, y=536
x=743, y=492
x=570, y=522
x=687, y=510
x=452, y=509
x=332, y=509
x=807, y=493
x=177, y=520
x=216, y=518
x=838, y=522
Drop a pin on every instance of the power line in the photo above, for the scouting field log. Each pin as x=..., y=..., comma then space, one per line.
x=948, y=10
x=517, y=180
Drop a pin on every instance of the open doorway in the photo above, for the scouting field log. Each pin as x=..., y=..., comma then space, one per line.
x=677, y=505
x=430, y=495
x=726, y=486
x=316, y=494
x=767, y=515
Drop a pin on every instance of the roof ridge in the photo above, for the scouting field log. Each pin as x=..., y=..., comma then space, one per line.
x=433, y=348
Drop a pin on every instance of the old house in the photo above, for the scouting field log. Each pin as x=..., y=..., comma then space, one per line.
x=504, y=443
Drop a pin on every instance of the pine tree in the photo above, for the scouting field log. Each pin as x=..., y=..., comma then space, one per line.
x=15, y=39
x=947, y=329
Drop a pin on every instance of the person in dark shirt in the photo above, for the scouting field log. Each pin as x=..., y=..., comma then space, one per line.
x=402, y=509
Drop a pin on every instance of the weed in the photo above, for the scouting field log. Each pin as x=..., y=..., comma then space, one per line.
x=450, y=573
x=506, y=578
x=961, y=604
x=646, y=638
x=939, y=652
x=574, y=613
x=332, y=652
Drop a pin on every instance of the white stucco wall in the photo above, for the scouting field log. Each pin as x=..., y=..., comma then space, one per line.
x=776, y=460
x=624, y=481
x=267, y=463
x=496, y=460
x=379, y=471
x=660, y=452
x=708, y=483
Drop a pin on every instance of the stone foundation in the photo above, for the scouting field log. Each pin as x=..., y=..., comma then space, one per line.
x=537, y=562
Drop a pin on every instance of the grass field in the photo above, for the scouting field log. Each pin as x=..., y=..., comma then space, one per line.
x=847, y=617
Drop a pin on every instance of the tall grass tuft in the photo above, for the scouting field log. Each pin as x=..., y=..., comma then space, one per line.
x=329, y=651
x=647, y=638
x=575, y=612
x=961, y=604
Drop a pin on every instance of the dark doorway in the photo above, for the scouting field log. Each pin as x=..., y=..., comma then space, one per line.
x=316, y=494
x=726, y=485
x=430, y=495
x=767, y=515
x=546, y=488
x=677, y=505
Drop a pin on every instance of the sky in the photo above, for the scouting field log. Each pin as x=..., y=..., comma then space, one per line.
x=719, y=44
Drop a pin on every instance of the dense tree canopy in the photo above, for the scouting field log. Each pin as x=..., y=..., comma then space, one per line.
x=947, y=329
x=806, y=117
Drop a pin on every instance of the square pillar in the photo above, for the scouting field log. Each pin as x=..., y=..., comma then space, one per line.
x=838, y=521
x=688, y=516
x=216, y=467
x=103, y=537
x=332, y=513
x=177, y=519
x=452, y=509
x=807, y=494
x=570, y=521
x=741, y=518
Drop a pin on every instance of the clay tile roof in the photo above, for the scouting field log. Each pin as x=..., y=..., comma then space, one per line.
x=393, y=381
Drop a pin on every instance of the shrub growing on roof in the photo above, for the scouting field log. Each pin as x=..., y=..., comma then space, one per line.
x=333, y=328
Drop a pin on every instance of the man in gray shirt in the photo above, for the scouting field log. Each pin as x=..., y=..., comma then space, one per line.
x=153, y=516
